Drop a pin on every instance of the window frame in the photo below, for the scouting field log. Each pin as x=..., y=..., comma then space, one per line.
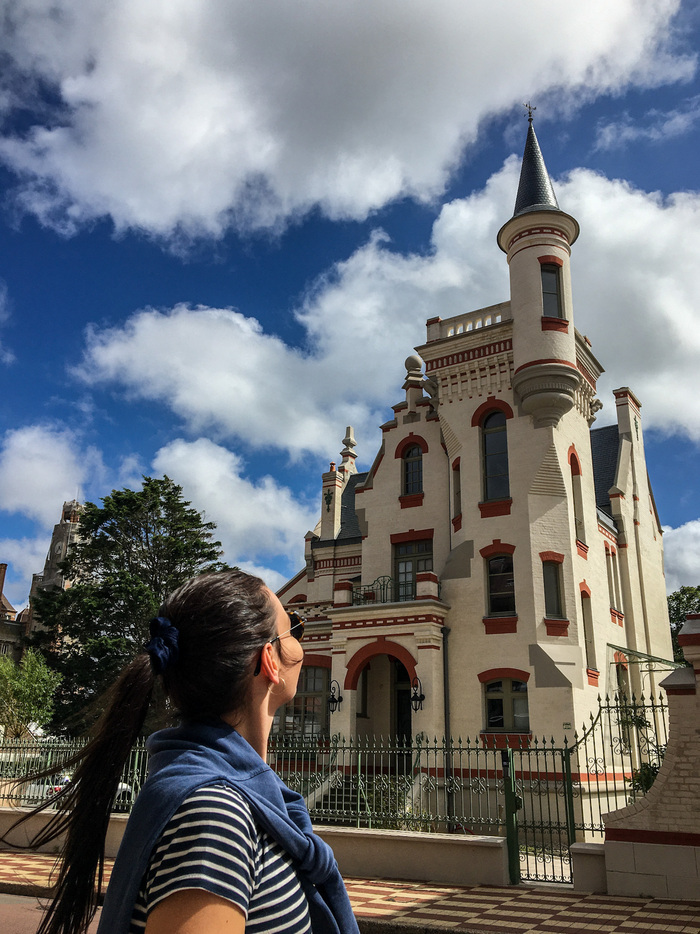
x=488, y=476
x=491, y=592
x=412, y=470
x=552, y=305
x=553, y=590
x=508, y=697
x=297, y=708
x=414, y=552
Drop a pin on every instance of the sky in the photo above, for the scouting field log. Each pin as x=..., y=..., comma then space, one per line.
x=223, y=227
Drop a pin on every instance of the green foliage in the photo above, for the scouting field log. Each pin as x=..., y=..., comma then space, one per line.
x=131, y=552
x=680, y=602
x=26, y=693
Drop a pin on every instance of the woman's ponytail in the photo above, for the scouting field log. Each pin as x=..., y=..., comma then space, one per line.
x=86, y=803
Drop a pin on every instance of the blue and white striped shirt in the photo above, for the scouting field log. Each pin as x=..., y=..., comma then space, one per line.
x=212, y=843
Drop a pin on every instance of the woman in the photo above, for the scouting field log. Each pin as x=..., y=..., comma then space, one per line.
x=215, y=842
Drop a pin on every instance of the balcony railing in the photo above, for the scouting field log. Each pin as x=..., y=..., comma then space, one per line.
x=385, y=590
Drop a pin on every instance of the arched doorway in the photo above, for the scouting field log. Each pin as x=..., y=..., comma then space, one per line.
x=381, y=674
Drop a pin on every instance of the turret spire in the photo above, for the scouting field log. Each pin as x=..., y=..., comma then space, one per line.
x=535, y=192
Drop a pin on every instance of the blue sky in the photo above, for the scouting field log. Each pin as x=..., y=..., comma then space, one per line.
x=223, y=226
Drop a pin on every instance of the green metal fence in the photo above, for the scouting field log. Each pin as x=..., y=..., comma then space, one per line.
x=541, y=796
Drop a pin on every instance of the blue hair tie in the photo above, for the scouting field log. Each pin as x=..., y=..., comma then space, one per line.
x=163, y=647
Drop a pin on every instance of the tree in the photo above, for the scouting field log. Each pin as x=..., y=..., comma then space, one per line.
x=26, y=694
x=680, y=602
x=131, y=552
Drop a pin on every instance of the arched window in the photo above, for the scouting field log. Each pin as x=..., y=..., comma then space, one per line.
x=412, y=470
x=501, y=586
x=495, y=453
x=578, y=497
x=506, y=705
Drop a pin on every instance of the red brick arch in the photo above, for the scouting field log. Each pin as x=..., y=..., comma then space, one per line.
x=492, y=404
x=409, y=442
x=367, y=652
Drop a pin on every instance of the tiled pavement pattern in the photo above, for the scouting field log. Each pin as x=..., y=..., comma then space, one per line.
x=483, y=909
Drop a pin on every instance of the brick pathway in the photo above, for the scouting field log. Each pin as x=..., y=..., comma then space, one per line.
x=418, y=907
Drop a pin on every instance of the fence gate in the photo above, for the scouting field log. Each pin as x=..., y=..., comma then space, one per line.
x=561, y=793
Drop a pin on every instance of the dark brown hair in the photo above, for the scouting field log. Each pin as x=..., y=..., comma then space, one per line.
x=224, y=619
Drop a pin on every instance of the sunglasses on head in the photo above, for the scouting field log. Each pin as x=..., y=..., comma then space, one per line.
x=296, y=630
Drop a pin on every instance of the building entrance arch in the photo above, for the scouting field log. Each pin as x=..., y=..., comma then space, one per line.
x=367, y=652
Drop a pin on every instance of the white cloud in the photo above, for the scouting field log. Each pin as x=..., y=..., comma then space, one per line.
x=24, y=557
x=634, y=296
x=255, y=519
x=41, y=467
x=183, y=118
x=661, y=127
x=682, y=555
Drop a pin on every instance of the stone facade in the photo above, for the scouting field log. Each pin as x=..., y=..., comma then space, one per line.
x=500, y=557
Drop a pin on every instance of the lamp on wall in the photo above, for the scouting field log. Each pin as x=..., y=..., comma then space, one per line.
x=418, y=696
x=335, y=698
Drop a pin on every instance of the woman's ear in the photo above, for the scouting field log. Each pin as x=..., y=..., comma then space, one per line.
x=269, y=665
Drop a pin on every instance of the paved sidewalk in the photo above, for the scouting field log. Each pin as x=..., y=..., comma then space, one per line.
x=384, y=907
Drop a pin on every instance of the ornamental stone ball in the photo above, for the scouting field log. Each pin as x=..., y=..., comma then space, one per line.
x=414, y=362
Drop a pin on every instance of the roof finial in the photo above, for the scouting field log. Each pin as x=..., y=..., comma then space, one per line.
x=530, y=108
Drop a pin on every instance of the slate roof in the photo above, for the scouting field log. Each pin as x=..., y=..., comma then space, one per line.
x=604, y=450
x=535, y=191
x=350, y=533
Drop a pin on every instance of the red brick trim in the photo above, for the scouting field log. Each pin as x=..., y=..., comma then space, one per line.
x=593, y=676
x=457, y=523
x=318, y=661
x=408, y=500
x=493, y=625
x=547, y=260
x=616, y=616
x=492, y=740
x=491, y=404
x=407, y=442
x=493, y=674
x=497, y=547
x=585, y=589
x=620, y=659
x=455, y=463
x=426, y=576
x=557, y=627
x=582, y=549
x=413, y=535
x=295, y=580
x=433, y=320
x=553, y=556
x=554, y=324
x=664, y=837
x=681, y=691
x=495, y=507
x=689, y=638
x=573, y=459
x=380, y=647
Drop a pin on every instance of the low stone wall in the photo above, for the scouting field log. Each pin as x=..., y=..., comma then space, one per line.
x=382, y=854
x=449, y=859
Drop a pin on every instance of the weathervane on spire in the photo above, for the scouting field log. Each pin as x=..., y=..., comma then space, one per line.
x=530, y=108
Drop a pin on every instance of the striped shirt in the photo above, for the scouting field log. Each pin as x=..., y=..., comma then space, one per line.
x=212, y=843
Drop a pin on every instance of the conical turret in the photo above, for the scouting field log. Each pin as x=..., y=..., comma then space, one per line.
x=537, y=240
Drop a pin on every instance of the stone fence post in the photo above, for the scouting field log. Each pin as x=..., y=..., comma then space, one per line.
x=652, y=847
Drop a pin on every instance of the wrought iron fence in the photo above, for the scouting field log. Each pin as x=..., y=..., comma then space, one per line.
x=540, y=795
x=21, y=760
